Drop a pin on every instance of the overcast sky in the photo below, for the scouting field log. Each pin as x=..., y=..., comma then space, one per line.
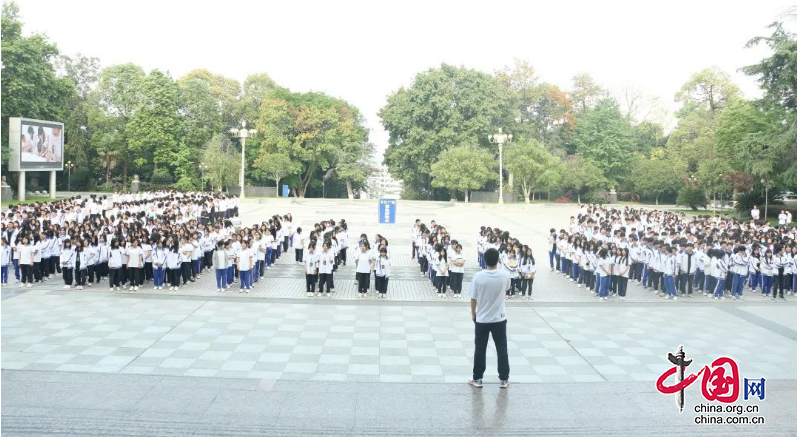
x=363, y=51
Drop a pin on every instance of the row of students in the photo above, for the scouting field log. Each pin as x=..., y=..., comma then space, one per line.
x=672, y=254
x=515, y=258
x=440, y=258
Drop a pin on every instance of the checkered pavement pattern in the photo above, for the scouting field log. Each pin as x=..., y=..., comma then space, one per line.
x=100, y=332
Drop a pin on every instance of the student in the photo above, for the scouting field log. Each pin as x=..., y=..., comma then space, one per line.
x=220, y=265
x=67, y=261
x=115, y=266
x=382, y=272
x=441, y=277
x=6, y=254
x=719, y=269
x=158, y=265
x=101, y=268
x=37, y=257
x=623, y=265
x=186, y=253
x=26, y=256
x=135, y=265
x=457, y=270
x=528, y=268
x=81, y=264
x=174, y=265
x=310, y=261
x=245, y=259
x=552, y=254
x=605, y=268
x=767, y=271
x=365, y=263
x=687, y=267
x=147, y=268
x=298, y=245
x=779, y=270
x=326, y=261
x=511, y=264
x=91, y=260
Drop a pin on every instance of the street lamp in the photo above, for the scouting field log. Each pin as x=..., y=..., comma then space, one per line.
x=767, y=185
x=202, y=168
x=243, y=133
x=69, y=167
x=500, y=138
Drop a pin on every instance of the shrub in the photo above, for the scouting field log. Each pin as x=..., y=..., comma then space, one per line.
x=691, y=197
x=186, y=183
x=746, y=200
x=162, y=179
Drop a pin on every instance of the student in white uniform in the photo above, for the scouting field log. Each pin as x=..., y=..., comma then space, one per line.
x=457, y=270
x=158, y=257
x=298, y=245
x=528, y=268
x=220, y=265
x=245, y=261
x=310, y=261
x=364, y=261
x=326, y=262
x=67, y=260
x=382, y=272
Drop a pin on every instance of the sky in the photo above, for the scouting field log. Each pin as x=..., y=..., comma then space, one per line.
x=362, y=51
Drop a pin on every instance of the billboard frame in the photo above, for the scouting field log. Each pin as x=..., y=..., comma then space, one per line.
x=14, y=132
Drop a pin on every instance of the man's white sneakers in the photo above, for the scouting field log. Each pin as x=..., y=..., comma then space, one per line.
x=476, y=383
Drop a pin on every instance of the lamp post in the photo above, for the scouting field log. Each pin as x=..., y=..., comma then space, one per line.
x=500, y=138
x=243, y=133
x=69, y=166
x=767, y=185
x=202, y=168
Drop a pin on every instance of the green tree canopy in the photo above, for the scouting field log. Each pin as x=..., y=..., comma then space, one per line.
x=463, y=169
x=221, y=160
x=532, y=165
x=654, y=177
x=443, y=108
x=582, y=175
x=604, y=136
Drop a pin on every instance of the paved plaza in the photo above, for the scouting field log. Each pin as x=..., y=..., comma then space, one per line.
x=199, y=362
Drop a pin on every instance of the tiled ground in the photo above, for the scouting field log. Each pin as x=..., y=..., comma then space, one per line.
x=102, y=332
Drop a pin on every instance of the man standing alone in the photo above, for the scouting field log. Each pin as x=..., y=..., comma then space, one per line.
x=488, y=312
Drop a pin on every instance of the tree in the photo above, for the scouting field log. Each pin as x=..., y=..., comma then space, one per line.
x=693, y=140
x=311, y=128
x=257, y=87
x=443, y=108
x=30, y=87
x=226, y=91
x=604, y=136
x=777, y=76
x=585, y=93
x=220, y=157
x=84, y=72
x=354, y=166
x=113, y=103
x=463, y=169
x=277, y=166
x=736, y=126
x=200, y=112
x=654, y=177
x=532, y=165
x=648, y=136
x=710, y=89
x=155, y=130
x=582, y=175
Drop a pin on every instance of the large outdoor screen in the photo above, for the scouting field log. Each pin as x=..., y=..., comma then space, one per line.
x=35, y=145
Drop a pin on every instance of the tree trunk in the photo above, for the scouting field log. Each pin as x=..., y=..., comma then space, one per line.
x=578, y=197
x=511, y=183
x=108, y=173
x=349, y=190
x=124, y=174
x=277, y=181
x=467, y=198
x=657, y=200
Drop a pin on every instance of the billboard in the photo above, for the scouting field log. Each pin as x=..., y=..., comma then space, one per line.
x=36, y=145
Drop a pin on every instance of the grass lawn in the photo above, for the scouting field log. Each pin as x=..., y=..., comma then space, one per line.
x=28, y=199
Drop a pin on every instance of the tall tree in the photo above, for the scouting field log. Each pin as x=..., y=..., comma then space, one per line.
x=710, y=89
x=463, y=168
x=604, y=136
x=222, y=161
x=586, y=93
x=443, y=108
x=354, y=165
x=257, y=87
x=30, y=87
x=777, y=76
x=84, y=72
x=532, y=165
x=200, y=112
x=155, y=130
x=654, y=177
x=114, y=102
x=583, y=176
x=277, y=166
x=311, y=128
x=227, y=92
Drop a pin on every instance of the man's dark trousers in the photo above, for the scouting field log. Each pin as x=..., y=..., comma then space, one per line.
x=483, y=331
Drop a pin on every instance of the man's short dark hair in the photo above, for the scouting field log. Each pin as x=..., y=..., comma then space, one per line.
x=491, y=257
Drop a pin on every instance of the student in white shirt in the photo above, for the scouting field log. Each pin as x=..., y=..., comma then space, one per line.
x=364, y=261
x=220, y=262
x=186, y=253
x=158, y=257
x=298, y=245
x=115, y=265
x=528, y=268
x=245, y=259
x=326, y=263
x=135, y=265
x=457, y=270
x=174, y=266
x=382, y=272
x=5, y=252
x=26, y=253
x=441, y=276
x=310, y=261
x=67, y=261
x=81, y=264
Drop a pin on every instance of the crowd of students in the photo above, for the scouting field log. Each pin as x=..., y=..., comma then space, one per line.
x=673, y=254
x=515, y=258
x=165, y=238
